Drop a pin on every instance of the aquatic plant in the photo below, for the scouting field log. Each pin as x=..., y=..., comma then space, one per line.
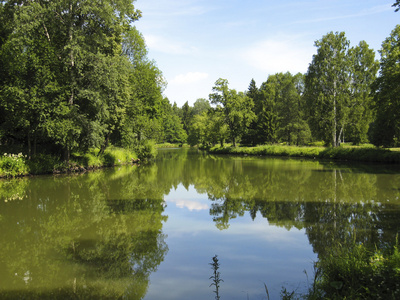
x=216, y=276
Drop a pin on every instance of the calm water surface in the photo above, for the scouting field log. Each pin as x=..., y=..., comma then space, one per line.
x=150, y=232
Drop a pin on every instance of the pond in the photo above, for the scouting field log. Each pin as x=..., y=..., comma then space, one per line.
x=151, y=231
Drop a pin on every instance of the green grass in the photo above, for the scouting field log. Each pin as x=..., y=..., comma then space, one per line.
x=170, y=145
x=365, y=153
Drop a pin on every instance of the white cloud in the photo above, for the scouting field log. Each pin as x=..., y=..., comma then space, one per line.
x=189, y=204
x=190, y=77
x=279, y=55
x=161, y=44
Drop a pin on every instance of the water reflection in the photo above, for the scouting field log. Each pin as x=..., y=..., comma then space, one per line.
x=86, y=236
x=330, y=201
x=102, y=234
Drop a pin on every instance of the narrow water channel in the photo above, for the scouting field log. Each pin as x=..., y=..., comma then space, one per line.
x=150, y=231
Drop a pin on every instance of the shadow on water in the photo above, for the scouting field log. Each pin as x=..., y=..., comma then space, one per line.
x=100, y=235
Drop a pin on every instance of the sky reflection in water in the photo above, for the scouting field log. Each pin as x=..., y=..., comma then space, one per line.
x=251, y=253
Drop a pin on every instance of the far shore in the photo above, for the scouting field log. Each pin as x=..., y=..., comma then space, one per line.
x=346, y=153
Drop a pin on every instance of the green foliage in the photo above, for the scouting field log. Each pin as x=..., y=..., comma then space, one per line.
x=117, y=156
x=337, y=89
x=92, y=160
x=12, y=165
x=75, y=76
x=237, y=108
x=366, y=154
x=387, y=125
x=356, y=272
x=147, y=150
x=45, y=163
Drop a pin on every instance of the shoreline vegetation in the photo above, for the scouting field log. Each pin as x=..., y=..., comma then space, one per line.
x=15, y=165
x=343, y=153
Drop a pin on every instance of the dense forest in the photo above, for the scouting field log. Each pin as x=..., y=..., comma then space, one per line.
x=75, y=75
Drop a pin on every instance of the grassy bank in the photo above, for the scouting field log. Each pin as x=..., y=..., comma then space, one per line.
x=365, y=154
x=12, y=165
x=169, y=145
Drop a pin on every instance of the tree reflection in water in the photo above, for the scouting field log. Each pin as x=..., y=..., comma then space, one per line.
x=99, y=235
x=87, y=236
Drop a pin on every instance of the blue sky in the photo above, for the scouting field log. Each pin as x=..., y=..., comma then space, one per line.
x=195, y=42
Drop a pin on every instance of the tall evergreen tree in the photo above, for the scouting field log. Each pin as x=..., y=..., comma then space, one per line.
x=267, y=118
x=251, y=136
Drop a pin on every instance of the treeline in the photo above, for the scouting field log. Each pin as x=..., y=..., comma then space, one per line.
x=75, y=75
x=340, y=99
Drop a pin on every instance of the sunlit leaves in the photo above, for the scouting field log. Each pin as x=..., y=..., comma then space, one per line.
x=387, y=127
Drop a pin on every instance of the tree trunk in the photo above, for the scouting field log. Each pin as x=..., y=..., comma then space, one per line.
x=34, y=144
x=29, y=144
x=105, y=144
x=67, y=154
x=334, y=136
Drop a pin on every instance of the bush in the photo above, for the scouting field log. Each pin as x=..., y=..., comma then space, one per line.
x=117, y=156
x=146, y=150
x=355, y=272
x=44, y=163
x=91, y=160
x=12, y=165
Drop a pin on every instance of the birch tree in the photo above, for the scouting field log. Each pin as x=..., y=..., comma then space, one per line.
x=327, y=88
x=387, y=97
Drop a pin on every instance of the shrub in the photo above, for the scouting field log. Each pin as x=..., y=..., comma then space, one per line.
x=92, y=160
x=12, y=165
x=355, y=272
x=117, y=156
x=146, y=150
x=44, y=163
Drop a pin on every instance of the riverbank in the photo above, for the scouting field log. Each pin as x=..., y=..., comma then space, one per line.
x=362, y=154
x=170, y=145
x=13, y=165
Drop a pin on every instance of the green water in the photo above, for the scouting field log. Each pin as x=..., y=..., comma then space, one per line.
x=149, y=232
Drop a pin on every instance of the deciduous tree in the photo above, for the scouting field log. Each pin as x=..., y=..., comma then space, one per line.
x=237, y=108
x=387, y=97
x=327, y=88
